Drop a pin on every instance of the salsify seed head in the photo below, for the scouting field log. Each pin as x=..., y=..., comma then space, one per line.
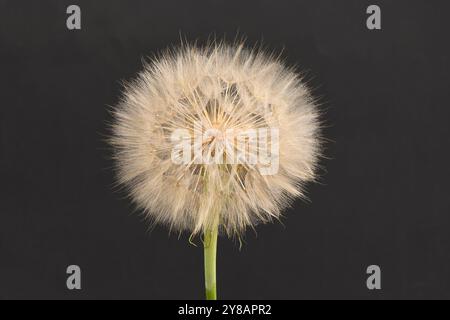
x=212, y=135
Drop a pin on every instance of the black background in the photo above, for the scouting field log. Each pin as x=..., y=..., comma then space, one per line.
x=383, y=198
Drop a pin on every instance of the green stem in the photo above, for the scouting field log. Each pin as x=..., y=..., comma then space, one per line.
x=210, y=253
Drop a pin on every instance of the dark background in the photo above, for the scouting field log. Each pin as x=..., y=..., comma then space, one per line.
x=383, y=198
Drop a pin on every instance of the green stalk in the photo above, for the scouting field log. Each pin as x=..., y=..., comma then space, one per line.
x=210, y=253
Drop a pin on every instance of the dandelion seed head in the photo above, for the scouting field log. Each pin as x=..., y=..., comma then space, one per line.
x=218, y=93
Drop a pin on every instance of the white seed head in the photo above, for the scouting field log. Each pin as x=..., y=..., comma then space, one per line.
x=215, y=135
